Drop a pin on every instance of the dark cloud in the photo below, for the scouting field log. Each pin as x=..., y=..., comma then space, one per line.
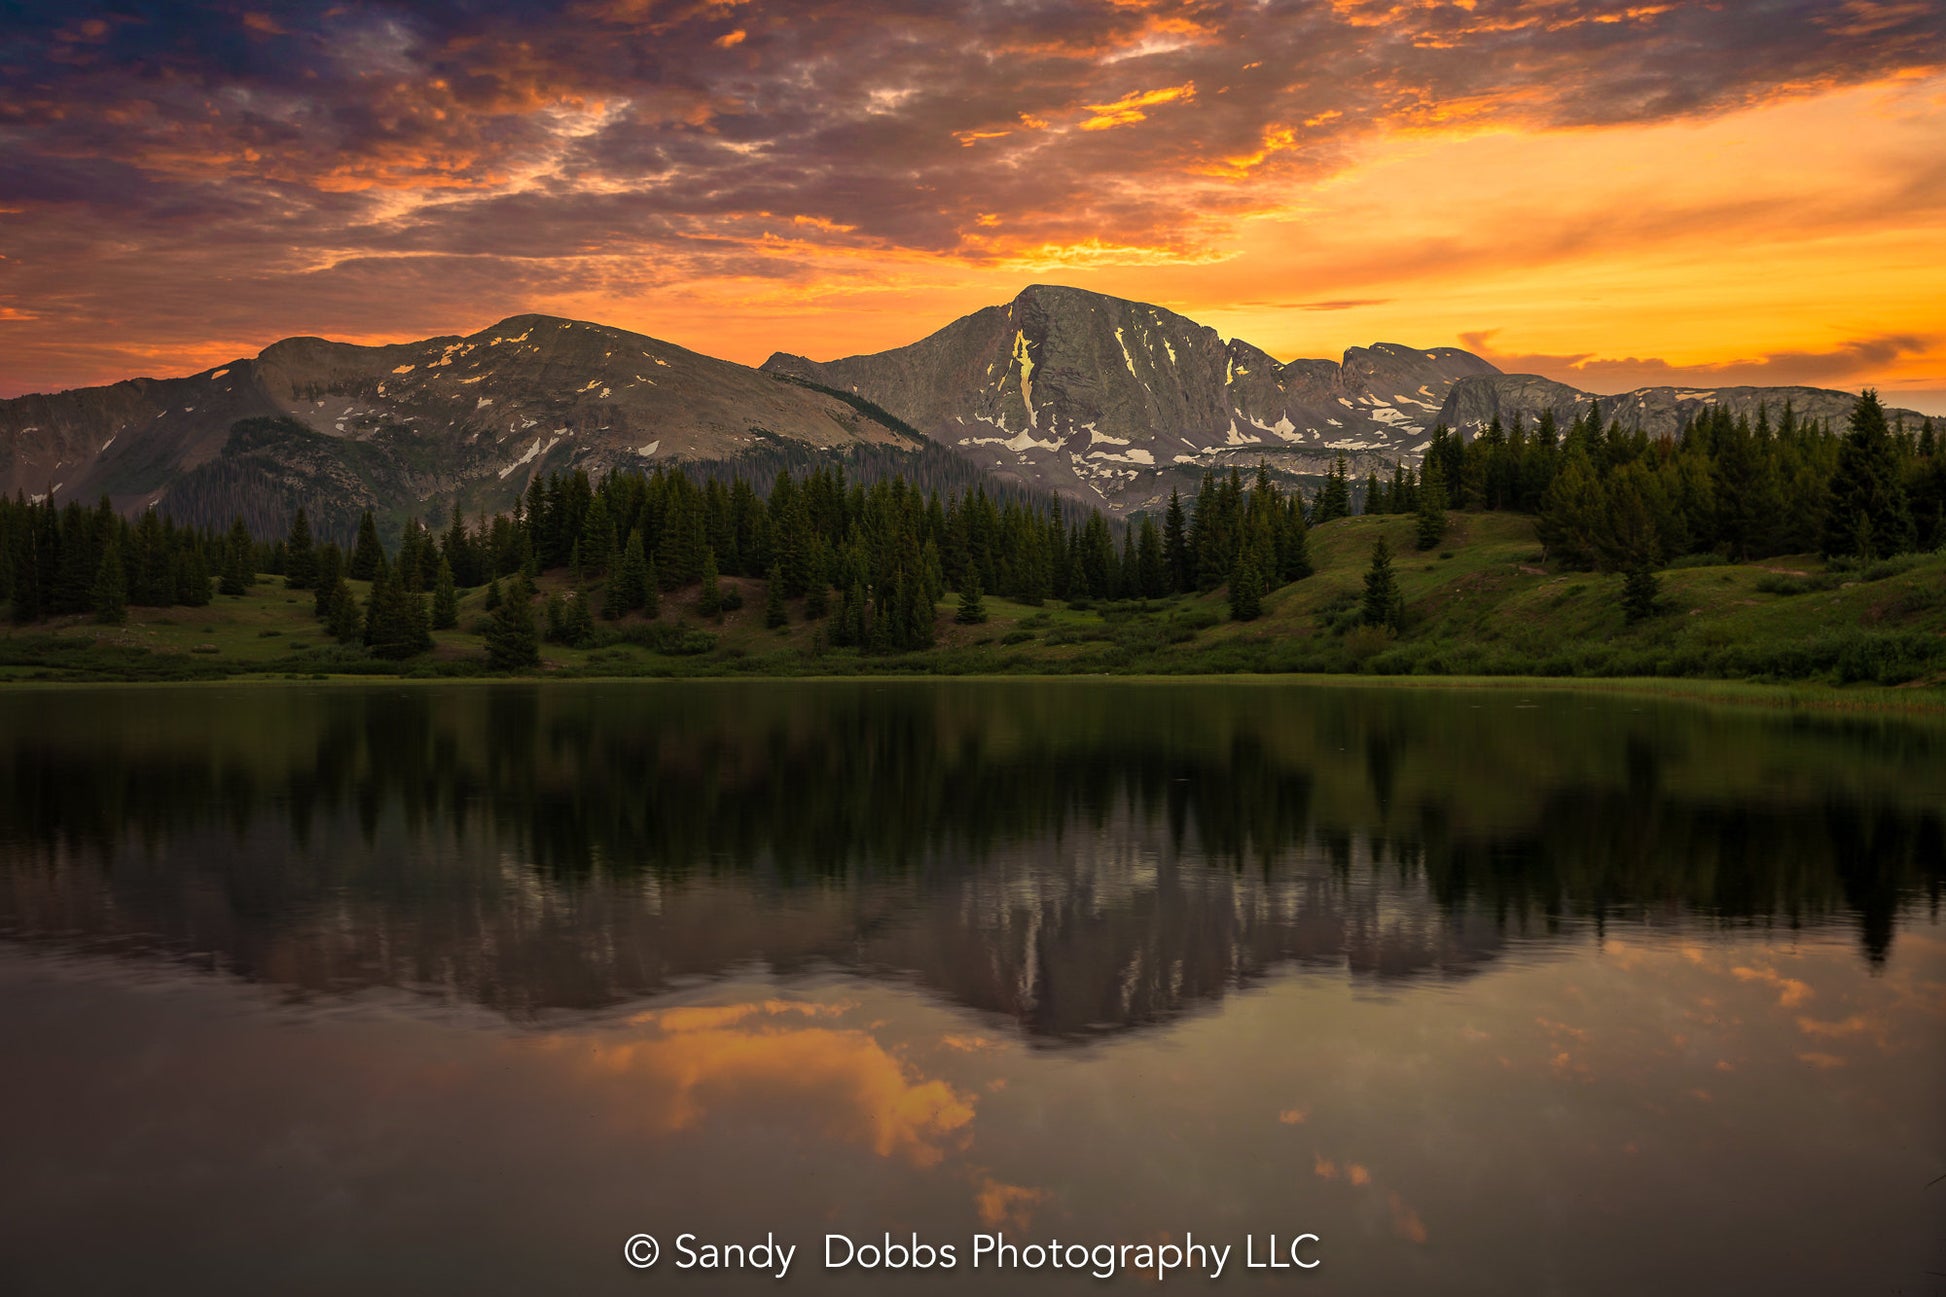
x=1848, y=363
x=152, y=151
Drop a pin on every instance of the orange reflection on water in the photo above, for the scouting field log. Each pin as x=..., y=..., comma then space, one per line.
x=683, y=1063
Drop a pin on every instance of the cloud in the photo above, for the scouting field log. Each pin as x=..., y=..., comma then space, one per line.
x=1839, y=366
x=390, y=168
x=679, y=1066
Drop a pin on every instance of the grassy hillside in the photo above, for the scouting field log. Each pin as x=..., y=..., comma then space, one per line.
x=1482, y=604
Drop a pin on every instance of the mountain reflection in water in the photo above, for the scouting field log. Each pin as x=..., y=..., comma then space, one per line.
x=1078, y=857
x=317, y=990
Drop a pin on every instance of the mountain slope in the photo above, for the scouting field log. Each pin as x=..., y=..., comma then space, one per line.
x=1118, y=401
x=1473, y=403
x=450, y=420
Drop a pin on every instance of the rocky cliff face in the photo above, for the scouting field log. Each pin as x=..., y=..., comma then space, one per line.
x=1118, y=401
x=454, y=420
x=1473, y=403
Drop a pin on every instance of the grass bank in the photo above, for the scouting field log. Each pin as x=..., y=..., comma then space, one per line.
x=1482, y=610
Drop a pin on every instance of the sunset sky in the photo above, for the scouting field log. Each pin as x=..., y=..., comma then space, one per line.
x=1612, y=194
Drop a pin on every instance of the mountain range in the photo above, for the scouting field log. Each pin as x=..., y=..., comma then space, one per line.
x=1094, y=398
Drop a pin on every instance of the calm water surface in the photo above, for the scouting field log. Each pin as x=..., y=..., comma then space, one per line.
x=416, y=990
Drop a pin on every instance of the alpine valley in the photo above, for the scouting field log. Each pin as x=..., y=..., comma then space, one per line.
x=1107, y=402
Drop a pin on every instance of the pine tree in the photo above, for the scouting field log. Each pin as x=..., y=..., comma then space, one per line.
x=1175, y=546
x=1334, y=497
x=776, y=614
x=972, y=609
x=651, y=592
x=445, y=598
x=240, y=540
x=236, y=563
x=1572, y=514
x=324, y=584
x=1640, y=589
x=1432, y=507
x=395, y=619
x=191, y=581
x=341, y=613
x=300, y=555
x=710, y=602
x=1869, y=513
x=368, y=555
x=1431, y=513
x=1246, y=590
x=493, y=597
x=628, y=583
x=111, y=581
x=511, y=643
x=1151, y=574
x=1384, y=606
x=580, y=627
x=598, y=534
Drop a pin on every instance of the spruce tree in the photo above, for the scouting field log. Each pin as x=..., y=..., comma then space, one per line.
x=341, y=613
x=493, y=597
x=324, y=582
x=1152, y=578
x=1869, y=514
x=445, y=598
x=395, y=618
x=632, y=582
x=1640, y=589
x=580, y=619
x=236, y=564
x=1432, y=507
x=1334, y=497
x=651, y=592
x=300, y=555
x=710, y=602
x=598, y=534
x=1246, y=589
x=1175, y=546
x=1384, y=606
x=1293, y=542
x=776, y=612
x=511, y=644
x=1572, y=514
x=972, y=609
x=191, y=581
x=368, y=555
x=247, y=548
x=111, y=581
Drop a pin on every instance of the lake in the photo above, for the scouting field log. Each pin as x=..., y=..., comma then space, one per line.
x=422, y=989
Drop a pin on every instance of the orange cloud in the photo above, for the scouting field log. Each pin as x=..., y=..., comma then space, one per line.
x=775, y=1055
x=1405, y=1221
x=1006, y=1205
x=1790, y=991
x=1128, y=110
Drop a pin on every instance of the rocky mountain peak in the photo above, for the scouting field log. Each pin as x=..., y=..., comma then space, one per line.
x=1117, y=400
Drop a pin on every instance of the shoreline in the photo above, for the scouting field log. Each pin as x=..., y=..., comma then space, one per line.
x=1915, y=700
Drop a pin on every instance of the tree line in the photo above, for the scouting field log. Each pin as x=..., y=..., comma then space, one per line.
x=1614, y=499
x=873, y=559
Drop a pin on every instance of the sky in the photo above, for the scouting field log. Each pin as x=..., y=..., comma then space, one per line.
x=1613, y=194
